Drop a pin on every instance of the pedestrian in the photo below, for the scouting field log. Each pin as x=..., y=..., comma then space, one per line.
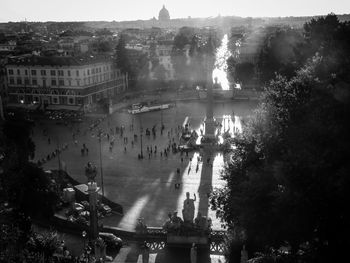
x=197, y=167
x=189, y=170
x=132, y=144
x=193, y=253
x=182, y=159
x=87, y=151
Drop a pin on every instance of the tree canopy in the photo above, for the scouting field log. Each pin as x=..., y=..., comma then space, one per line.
x=288, y=178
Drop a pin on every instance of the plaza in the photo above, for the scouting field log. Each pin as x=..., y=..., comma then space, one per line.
x=144, y=188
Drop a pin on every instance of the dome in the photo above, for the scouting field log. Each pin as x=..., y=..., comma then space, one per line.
x=164, y=14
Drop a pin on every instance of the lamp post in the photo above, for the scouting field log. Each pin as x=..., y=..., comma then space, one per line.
x=83, y=234
x=58, y=155
x=161, y=112
x=141, y=131
x=101, y=170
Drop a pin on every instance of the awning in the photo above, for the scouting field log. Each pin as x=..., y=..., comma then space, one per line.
x=64, y=107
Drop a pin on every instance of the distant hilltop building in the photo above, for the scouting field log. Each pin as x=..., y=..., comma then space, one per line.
x=163, y=15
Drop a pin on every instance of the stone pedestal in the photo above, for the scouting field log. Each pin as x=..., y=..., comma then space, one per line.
x=93, y=192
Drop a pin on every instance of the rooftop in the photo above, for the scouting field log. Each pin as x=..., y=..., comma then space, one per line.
x=34, y=60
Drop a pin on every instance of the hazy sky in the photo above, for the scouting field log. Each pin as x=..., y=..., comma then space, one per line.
x=119, y=10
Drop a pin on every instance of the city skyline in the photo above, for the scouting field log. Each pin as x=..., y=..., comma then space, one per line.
x=109, y=10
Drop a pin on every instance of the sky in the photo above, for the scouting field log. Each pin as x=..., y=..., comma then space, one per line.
x=121, y=10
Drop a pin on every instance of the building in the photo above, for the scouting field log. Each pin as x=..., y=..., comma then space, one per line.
x=164, y=49
x=163, y=15
x=63, y=82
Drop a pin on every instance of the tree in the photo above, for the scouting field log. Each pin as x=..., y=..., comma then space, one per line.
x=122, y=61
x=103, y=46
x=244, y=72
x=280, y=54
x=24, y=186
x=160, y=73
x=288, y=178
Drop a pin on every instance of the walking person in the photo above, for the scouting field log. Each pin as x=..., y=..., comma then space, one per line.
x=145, y=253
x=193, y=253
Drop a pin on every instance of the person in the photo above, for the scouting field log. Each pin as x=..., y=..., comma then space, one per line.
x=188, y=208
x=177, y=221
x=141, y=227
x=193, y=253
x=145, y=253
x=168, y=225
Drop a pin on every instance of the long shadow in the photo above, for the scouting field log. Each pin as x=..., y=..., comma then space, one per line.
x=205, y=186
x=182, y=254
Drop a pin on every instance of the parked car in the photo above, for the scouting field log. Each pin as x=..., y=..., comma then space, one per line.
x=111, y=240
x=104, y=209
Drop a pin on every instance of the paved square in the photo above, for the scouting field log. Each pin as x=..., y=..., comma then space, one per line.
x=145, y=188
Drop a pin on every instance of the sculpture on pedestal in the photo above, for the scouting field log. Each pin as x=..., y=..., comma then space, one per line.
x=90, y=172
x=188, y=208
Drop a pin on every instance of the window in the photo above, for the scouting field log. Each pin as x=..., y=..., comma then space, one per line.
x=26, y=72
x=26, y=81
x=44, y=82
x=69, y=82
x=55, y=100
x=71, y=101
x=68, y=72
x=60, y=73
x=78, y=82
x=88, y=71
x=34, y=82
x=12, y=81
x=19, y=81
x=53, y=82
x=18, y=72
x=53, y=72
x=77, y=72
x=10, y=71
x=93, y=71
x=33, y=72
x=61, y=82
x=43, y=72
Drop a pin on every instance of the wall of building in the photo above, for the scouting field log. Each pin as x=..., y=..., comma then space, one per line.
x=64, y=85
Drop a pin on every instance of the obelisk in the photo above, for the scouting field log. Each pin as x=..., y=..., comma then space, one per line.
x=209, y=131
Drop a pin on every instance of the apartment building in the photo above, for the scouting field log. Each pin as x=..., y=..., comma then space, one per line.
x=63, y=82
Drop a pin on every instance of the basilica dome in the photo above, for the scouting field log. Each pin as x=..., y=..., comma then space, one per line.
x=164, y=14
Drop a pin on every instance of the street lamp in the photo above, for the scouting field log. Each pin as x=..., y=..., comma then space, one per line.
x=141, y=131
x=101, y=170
x=161, y=112
x=83, y=234
x=58, y=155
